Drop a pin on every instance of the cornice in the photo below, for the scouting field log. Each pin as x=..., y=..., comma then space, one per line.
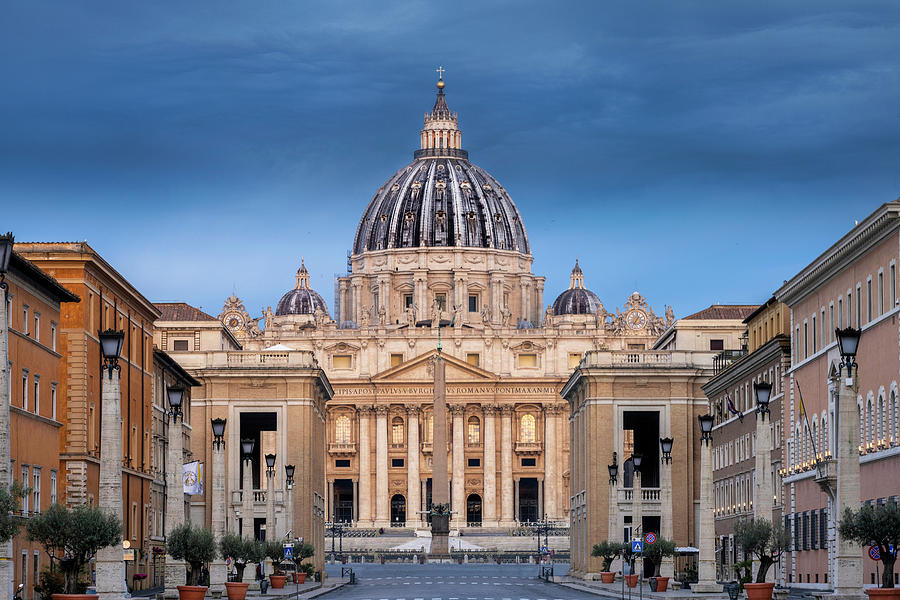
x=778, y=346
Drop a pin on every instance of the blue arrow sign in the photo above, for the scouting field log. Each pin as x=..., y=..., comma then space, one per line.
x=289, y=552
x=637, y=547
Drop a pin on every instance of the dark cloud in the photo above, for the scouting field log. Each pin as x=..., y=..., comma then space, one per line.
x=695, y=151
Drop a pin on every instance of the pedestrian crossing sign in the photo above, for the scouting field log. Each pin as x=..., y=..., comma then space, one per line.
x=637, y=547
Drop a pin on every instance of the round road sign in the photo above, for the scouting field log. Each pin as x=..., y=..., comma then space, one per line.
x=874, y=553
x=650, y=537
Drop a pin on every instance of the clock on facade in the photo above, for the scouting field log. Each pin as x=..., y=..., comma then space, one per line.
x=636, y=319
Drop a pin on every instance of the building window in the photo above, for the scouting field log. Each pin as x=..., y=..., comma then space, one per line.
x=527, y=361
x=815, y=345
x=868, y=300
x=25, y=319
x=53, y=336
x=52, y=487
x=474, y=431
x=36, y=489
x=180, y=345
x=893, y=283
x=474, y=462
x=25, y=389
x=429, y=427
x=25, y=568
x=473, y=358
x=37, y=394
x=831, y=322
x=53, y=401
x=25, y=484
x=37, y=326
x=342, y=430
x=341, y=361
x=880, y=293
x=441, y=300
x=716, y=344
x=342, y=463
x=529, y=462
x=473, y=303
x=805, y=340
x=858, y=307
x=574, y=359
x=397, y=431
x=397, y=462
x=526, y=429
x=396, y=360
x=840, y=311
x=407, y=301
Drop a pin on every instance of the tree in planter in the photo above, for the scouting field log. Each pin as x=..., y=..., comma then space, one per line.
x=301, y=553
x=609, y=551
x=875, y=525
x=275, y=552
x=241, y=551
x=77, y=534
x=657, y=551
x=764, y=540
x=194, y=545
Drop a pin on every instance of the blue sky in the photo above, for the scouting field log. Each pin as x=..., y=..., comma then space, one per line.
x=698, y=152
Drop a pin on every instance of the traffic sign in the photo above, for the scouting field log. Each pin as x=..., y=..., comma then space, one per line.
x=874, y=553
x=289, y=552
x=545, y=550
x=650, y=538
x=228, y=562
x=637, y=547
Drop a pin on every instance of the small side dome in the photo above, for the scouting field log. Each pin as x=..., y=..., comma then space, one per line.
x=577, y=300
x=302, y=300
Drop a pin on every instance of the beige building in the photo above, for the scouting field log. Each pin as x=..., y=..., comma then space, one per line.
x=621, y=403
x=440, y=243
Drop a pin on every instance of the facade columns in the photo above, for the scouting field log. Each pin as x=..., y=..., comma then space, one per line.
x=849, y=564
x=550, y=460
x=382, y=517
x=330, y=504
x=110, y=563
x=355, y=516
x=458, y=496
x=217, y=572
x=496, y=298
x=506, y=477
x=365, y=469
x=413, y=518
x=489, y=500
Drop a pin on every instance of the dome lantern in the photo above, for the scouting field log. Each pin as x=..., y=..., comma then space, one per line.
x=577, y=300
x=302, y=300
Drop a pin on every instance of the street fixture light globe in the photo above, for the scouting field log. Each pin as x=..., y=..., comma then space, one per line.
x=848, y=343
x=247, y=447
x=218, y=427
x=111, y=347
x=613, y=472
x=289, y=473
x=706, y=425
x=666, y=445
x=270, y=460
x=763, y=391
x=636, y=459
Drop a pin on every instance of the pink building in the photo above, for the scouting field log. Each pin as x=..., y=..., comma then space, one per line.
x=853, y=283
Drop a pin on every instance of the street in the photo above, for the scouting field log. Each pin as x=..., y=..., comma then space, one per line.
x=407, y=581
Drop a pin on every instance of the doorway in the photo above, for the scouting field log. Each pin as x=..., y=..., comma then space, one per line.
x=398, y=511
x=473, y=510
x=343, y=500
x=528, y=500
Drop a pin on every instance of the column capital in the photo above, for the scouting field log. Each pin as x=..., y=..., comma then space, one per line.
x=364, y=410
x=489, y=409
x=457, y=409
x=382, y=410
x=413, y=410
x=507, y=409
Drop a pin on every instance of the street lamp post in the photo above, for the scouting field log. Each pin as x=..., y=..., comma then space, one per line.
x=762, y=504
x=271, y=529
x=706, y=573
x=289, y=486
x=247, y=447
x=110, y=563
x=217, y=572
x=6, y=558
x=667, y=567
x=175, y=569
x=613, y=528
x=637, y=505
x=849, y=567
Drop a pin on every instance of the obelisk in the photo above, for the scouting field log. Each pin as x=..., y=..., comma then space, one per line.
x=440, y=487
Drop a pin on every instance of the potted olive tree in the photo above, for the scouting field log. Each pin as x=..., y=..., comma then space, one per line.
x=275, y=552
x=656, y=552
x=196, y=546
x=609, y=551
x=241, y=551
x=767, y=542
x=74, y=537
x=878, y=526
x=304, y=570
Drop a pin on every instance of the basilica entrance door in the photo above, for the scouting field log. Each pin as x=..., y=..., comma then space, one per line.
x=473, y=510
x=398, y=511
x=343, y=500
x=528, y=500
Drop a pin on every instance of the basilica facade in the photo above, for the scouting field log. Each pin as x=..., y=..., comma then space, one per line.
x=440, y=259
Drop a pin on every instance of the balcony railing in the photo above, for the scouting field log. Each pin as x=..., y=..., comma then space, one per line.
x=529, y=447
x=726, y=357
x=341, y=448
x=297, y=358
x=259, y=500
x=647, y=358
x=651, y=500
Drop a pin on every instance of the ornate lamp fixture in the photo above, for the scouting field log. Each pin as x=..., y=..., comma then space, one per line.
x=247, y=447
x=763, y=392
x=289, y=475
x=666, y=445
x=613, y=470
x=176, y=395
x=218, y=428
x=706, y=425
x=848, y=342
x=636, y=459
x=111, y=346
x=270, y=464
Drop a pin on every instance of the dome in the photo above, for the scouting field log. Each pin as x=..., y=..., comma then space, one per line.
x=441, y=199
x=577, y=300
x=302, y=300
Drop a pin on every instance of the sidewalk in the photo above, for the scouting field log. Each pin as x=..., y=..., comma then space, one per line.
x=304, y=591
x=614, y=590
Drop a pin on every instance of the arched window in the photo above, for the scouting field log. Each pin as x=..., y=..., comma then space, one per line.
x=815, y=439
x=397, y=436
x=870, y=422
x=526, y=429
x=825, y=435
x=342, y=430
x=882, y=430
x=896, y=411
x=474, y=431
x=862, y=424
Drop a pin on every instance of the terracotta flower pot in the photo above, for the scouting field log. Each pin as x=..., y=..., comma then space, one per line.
x=277, y=581
x=662, y=583
x=631, y=580
x=607, y=576
x=236, y=590
x=883, y=593
x=75, y=597
x=192, y=592
x=759, y=591
x=301, y=577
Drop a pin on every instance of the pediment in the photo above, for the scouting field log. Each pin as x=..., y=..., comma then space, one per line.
x=421, y=368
